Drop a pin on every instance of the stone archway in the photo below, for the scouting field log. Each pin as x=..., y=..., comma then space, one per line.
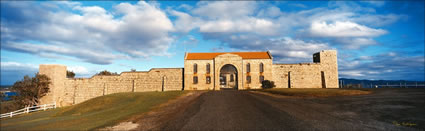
x=228, y=77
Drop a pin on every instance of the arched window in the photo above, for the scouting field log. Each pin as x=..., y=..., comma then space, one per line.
x=231, y=78
x=261, y=67
x=208, y=68
x=195, y=68
x=195, y=79
x=248, y=79
x=248, y=68
x=208, y=79
x=261, y=79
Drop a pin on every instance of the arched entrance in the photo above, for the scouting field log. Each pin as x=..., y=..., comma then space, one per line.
x=228, y=77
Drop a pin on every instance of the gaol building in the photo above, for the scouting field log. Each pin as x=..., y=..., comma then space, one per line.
x=202, y=71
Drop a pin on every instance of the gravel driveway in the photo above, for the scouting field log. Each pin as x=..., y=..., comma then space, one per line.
x=385, y=109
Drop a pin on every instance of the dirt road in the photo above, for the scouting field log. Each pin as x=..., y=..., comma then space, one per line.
x=245, y=110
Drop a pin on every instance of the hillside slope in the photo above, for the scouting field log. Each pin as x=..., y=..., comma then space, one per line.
x=95, y=113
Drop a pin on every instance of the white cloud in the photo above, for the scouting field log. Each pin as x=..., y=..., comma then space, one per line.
x=353, y=73
x=356, y=42
x=185, y=22
x=298, y=50
x=79, y=70
x=260, y=26
x=225, y=9
x=93, y=35
x=17, y=66
x=86, y=55
x=390, y=66
x=343, y=29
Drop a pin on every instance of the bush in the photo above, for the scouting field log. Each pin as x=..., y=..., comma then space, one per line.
x=266, y=84
x=107, y=73
x=70, y=74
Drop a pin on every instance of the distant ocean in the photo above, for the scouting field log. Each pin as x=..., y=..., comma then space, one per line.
x=8, y=95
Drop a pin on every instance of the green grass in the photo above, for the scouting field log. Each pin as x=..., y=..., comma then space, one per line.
x=92, y=114
x=316, y=92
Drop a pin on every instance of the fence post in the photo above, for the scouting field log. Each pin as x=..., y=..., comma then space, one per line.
x=11, y=114
x=44, y=107
x=27, y=110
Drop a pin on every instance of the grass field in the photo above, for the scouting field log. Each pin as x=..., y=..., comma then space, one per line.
x=315, y=92
x=92, y=114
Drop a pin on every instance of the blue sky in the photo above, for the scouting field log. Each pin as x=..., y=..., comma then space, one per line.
x=375, y=39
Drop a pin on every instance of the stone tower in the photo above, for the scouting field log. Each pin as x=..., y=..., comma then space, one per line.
x=57, y=75
x=329, y=67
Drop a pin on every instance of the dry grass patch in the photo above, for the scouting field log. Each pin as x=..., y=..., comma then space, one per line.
x=316, y=92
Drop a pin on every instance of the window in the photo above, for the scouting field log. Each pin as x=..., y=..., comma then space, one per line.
x=208, y=79
x=248, y=68
x=208, y=68
x=195, y=79
x=261, y=67
x=195, y=68
x=248, y=79
x=231, y=78
x=261, y=79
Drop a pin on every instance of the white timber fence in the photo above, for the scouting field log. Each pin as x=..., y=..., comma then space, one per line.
x=28, y=110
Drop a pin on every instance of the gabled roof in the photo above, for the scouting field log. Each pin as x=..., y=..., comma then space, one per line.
x=244, y=55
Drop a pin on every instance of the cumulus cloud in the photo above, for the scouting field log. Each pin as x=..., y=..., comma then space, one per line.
x=79, y=70
x=10, y=66
x=89, y=33
x=224, y=19
x=346, y=25
x=225, y=9
x=288, y=50
x=390, y=66
x=343, y=29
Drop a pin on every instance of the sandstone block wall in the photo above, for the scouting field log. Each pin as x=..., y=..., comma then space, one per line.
x=69, y=91
x=305, y=75
x=323, y=73
x=57, y=75
x=224, y=59
x=202, y=75
x=255, y=72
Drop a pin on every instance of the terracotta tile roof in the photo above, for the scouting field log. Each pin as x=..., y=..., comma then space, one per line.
x=244, y=55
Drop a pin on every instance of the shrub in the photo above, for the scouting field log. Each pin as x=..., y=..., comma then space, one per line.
x=266, y=84
x=106, y=73
x=70, y=74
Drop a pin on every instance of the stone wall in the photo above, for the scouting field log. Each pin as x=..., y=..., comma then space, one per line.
x=323, y=73
x=255, y=72
x=304, y=75
x=201, y=74
x=69, y=91
x=224, y=59
x=216, y=65
x=57, y=75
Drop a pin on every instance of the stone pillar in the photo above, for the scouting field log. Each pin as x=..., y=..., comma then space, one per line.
x=329, y=64
x=57, y=75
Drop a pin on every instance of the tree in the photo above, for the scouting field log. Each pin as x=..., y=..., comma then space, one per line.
x=106, y=73
x=2, y=95
x=70, y=74
x=31, y=89
x=266, y=84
